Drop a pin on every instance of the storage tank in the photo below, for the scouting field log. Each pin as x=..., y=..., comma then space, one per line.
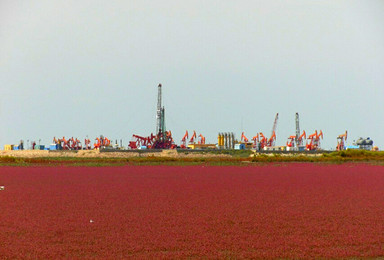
x=222, y=140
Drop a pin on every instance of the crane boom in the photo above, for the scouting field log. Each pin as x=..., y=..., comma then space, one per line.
x=275, y=125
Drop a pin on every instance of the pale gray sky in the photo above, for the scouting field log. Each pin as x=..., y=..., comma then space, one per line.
x=77, y=68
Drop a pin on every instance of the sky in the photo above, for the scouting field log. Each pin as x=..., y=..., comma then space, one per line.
x=86, y=68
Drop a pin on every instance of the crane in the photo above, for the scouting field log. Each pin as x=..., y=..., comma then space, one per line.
x=341, y=139
x=272, y=139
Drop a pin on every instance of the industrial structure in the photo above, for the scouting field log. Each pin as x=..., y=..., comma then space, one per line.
x=226, y=140
x=162, y=139
x=341, y=139
x=264, y=143
x=364, y=143
x=313, y=141
x=296, y=142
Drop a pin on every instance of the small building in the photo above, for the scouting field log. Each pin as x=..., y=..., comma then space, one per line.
x=240, y=146
x=274, y=148
x=8, y=147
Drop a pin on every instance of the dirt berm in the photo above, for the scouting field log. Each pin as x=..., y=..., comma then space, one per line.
x=98, y=154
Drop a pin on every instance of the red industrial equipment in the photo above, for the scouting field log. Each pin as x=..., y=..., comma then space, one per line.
x=74, y=144
x=243, y=138
x=164, y=141
x=201, y=139
x=263, y=141
x=314, y=141
x=87, y=144
x=153, y=141
x=271, y=140
x=292, y=141
x=184, y=140
x=64, y=144
x=140, y=141
x=101, y=142
x=255, y=140
x=192, y=140
x=341, y=141
x=97, y=144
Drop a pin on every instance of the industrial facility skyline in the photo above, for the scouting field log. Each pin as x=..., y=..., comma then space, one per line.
x=80, y=69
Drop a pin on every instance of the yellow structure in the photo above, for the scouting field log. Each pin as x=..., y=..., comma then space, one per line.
x=8, y=147
x=220, y=140
x=248, y=145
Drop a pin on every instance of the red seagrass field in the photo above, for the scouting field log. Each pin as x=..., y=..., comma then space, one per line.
x=271, y=211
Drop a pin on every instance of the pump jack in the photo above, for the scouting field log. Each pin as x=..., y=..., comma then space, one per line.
x=314, y=141
x=244, y=138
x=341, y=139
x=201, y=139
x=184, y=140
x=192, y=140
